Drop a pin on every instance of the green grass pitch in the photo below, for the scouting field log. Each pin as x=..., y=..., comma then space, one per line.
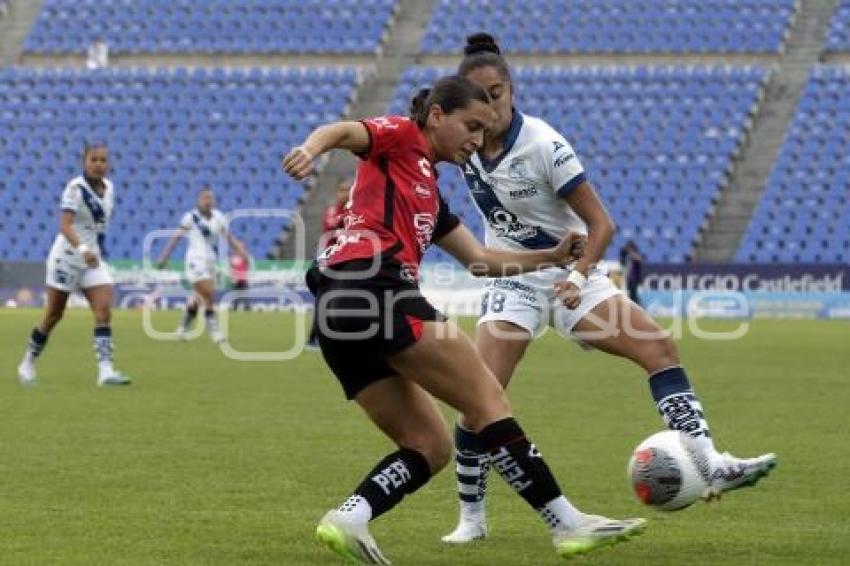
x=206, y=460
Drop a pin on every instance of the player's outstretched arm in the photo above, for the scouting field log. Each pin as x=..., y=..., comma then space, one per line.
x=169, y=247
x=353, y=136
x=237, y=246
x=489, y=262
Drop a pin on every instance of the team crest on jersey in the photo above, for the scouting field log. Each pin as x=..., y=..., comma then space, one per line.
x=518, y=169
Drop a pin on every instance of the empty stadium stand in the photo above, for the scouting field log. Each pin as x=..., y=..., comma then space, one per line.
x=804, y=215
x=170, y=133
x=838, y=37
x=657, y=142
x=615, y=26
x=212, y=26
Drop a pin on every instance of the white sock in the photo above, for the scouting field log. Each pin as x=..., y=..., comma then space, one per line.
x=560, y=514
x=473, y=512
x=105, y=369
x=356, y=509
x=29, y=359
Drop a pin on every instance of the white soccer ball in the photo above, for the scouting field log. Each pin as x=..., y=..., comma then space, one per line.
x=668, y=471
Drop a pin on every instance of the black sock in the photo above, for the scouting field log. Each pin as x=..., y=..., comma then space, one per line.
x=399, y=474
x=519, y=463
x=189, y=315
x=38, y=340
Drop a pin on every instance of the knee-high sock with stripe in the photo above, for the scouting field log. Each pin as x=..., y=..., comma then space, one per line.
x=679, y=407
x=103, y=349
x=472, y=468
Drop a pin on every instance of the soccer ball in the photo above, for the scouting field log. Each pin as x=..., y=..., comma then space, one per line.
x=668, y=471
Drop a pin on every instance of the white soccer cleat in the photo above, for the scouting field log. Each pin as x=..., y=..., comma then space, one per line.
x=349, y=540
x=729, y=473
x=181, y=334
x=467, y=531
x=26, y=373
x=216, y=336
x=594, y=532
x=113, y=379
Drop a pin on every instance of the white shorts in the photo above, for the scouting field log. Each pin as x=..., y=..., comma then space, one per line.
x=66, y=271
x=533, y=306
x=200, y=269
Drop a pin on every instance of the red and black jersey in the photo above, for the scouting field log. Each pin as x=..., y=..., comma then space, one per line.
x=332, y=219
x=395, y=209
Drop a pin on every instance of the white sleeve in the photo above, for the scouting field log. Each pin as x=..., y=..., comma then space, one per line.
x=71, y=198
x=222, y=223
x=562, y=165
x=186, y=221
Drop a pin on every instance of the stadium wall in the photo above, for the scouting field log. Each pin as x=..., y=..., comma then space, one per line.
x=668, y=290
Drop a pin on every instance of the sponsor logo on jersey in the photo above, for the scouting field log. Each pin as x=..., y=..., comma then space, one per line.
x=383, y=123
x=423, y=222
x=421, y=190
x=476, y=187
x=564, y=159
x=556, y=145
x=506, y=224
x=350, y=220
x=525, y=192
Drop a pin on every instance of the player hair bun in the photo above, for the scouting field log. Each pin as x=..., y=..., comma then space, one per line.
x=417, y=105
x=481, y=43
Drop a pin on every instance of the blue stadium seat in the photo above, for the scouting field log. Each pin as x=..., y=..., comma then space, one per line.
x=653, y=140
x=838, y=36
x=168, y=131
x=259, y=26
x=614, y=26
x=805, y=208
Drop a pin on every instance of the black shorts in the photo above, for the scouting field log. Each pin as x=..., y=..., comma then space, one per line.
x=361, y=322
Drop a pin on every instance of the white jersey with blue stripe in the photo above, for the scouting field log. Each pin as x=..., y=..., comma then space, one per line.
x=203, y=233
x=520, y=194
x=91, y=213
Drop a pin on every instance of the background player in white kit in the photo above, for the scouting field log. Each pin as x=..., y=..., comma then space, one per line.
x=205, y=226
x=76, y=262
x=531, y=189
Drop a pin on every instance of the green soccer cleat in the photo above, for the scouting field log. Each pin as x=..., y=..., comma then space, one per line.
x=595, y=532
x=349, y=540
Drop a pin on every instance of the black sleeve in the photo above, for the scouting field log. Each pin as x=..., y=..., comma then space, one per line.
x=446, y=221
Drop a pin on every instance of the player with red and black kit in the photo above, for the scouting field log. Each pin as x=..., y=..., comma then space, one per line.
x=389, y=348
